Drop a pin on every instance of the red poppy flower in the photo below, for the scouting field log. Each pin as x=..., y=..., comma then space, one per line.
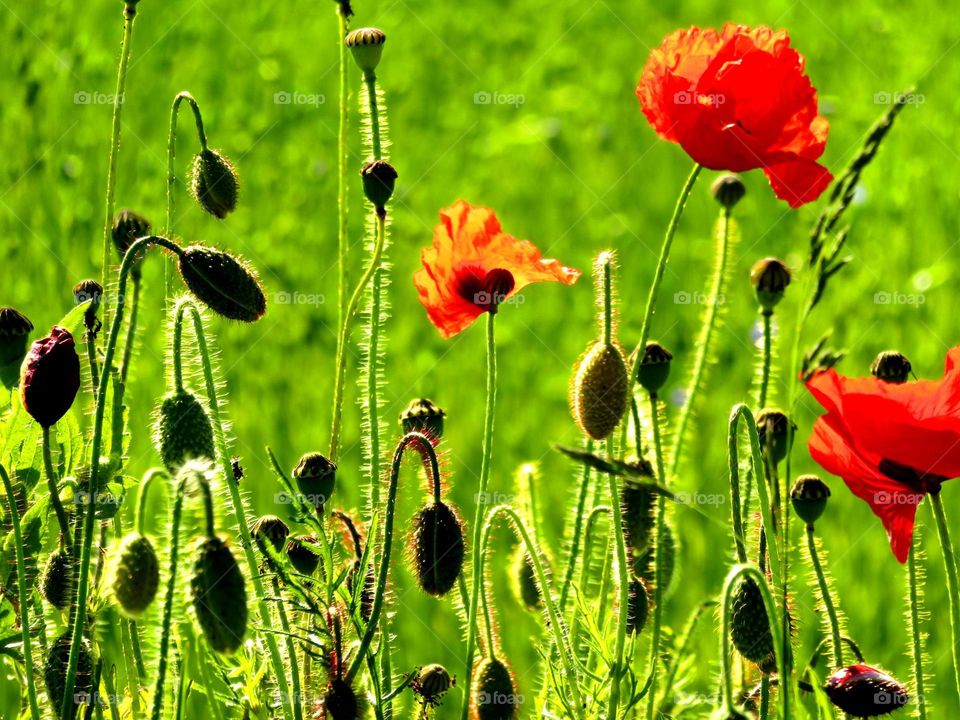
x=891, y=443
x=738, y=100
x=50, y=377
x=473, y=267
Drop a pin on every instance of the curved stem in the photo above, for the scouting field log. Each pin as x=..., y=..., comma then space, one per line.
x=658, y=594
x=714, y=301
x=577, y=530
x=953, y=586
x=478, y=515
x=342, y=171
x=66, y=534
x=22, y=593
x=585, y=568
x=736, y=512
x=142, y=497
x=831, y=609
x=916, y=638
x=131, y=331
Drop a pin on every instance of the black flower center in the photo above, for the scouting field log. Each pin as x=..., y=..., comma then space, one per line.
x=485, y=289
x=916, y=480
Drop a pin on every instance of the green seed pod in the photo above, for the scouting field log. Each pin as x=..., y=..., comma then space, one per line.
x=425, y=416
x=494, y=694
x=638, y=607
x=134, y=574
x=55, y=670
x=341, y=702
x=379, y=179
x=223, y=283
x=809, y=497
x=214, y=183
x=654, y=367
x=219, y=596
x=128, y=226
x=892, y=367
x=270, y=529
x=316, y=478
x=437, y=547
x=432, y=683
x=728, y=190
x=598, y=394
x=750, y=628
x=182, y=431
x=366, y=44
x=303, y=553
x=770, y=278
x=775, y=432
x=56, y=582
x=15, y=330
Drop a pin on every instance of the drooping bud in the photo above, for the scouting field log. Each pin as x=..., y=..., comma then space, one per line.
x=214, y=183
x=219, y=596
x=638, y=509
x=524, y=576
x=809, y=496
x=134, y=575
x=223, y=283
x=182, y=431
x=750, y=628
x=432, y=683
x=598, y=393
x=865, y=692
x=437, y=547
x=55, y=670
x=127, y=227
x=379, y=180
x=892, y=367
x=50, y=377
x=366, y=44
x=270, y=529
x=89, y=290
x=15, y=329
x=494, y=694
x=340, y=702
x=424, y=416
x=654, y=367
x=56, y=582
x=316, y=478
x=304, y=553
x=638, y=607
x=728, y=190
x=770, y=278
x=775, y=432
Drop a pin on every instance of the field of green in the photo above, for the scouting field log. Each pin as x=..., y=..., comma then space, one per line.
x=529, y=108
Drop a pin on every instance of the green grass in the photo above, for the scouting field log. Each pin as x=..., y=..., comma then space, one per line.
x=575, y=168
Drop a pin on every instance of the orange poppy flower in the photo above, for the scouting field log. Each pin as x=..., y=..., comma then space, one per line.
x=738, y=100
x=473, y=267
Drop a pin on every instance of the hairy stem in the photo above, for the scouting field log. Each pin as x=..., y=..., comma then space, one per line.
x=658, y=594
x=827, y=598
x=342, y=171
x=66, y=535
x=577, y=529
x=953, y=586
x=916, y=637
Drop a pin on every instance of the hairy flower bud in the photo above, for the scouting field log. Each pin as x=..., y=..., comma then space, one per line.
x=316, y=478
x=638, y=607
x=134, y=574
x=865, y=692
x=55, y=670
x=303, y=551
x=379, y=179
x=341, y=702
x=15, y=329
x=270, y=529
x=56, y=582
x=654, y=367
x=892, y=367
x=89, y=290
x=50, y=377
x=219, y=596
x=775, y=432
x=432, y=683
x=750, y=628
x=598, y=393
x=494, y=694
x=366, y=44
x=223, y=283
x=128, y=226
x=770, y=278
x=423, y=416
x=182, y=430
x=437, y=547
x=728, y=190
x=524, y=575
x=809, y=497
x=214, y=183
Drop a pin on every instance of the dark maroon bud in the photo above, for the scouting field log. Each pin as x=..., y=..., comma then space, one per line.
x=865, y=692
x=379, y=179
x=50, y=377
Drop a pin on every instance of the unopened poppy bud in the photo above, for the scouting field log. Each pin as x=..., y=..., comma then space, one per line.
x=316, y=478
x=304, y=553
x=865, y=692
x=638, y=509
x=214, y=183
x=50, y=377
x=728, y=190
x=598, y=393
x=437, y=547
x=15, y=329
x=809, y=496
x=55, y=667
x=127, y=227
x=750, y=628
x=182, y=431
x=525, y=586
x=638, y=607
x=494, y=694
x=219, y=596
x=432, y=683
x=775, y=432
x=341, y=702
x=56, y=582
x=424, y=416
x=89, y=290
x=366, y=44
x=223, y=283
x=770, y=278
x=892, y=367
x=645, y=563
x=134, y=574
x=270, y=529
x=379, y=179
x=654, y=367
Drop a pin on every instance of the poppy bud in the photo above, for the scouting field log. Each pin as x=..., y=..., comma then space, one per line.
x=654, y=367
x=638, y=508
x=645, y=566
x=437, y=547
x=809, y=496
x=219, y=596
x=50, y=377
x=56, y=582
x=598, y=394
x=134, y=574
x=15, y=330
x=223, y=283
x=55, y=670
x=182, y=431
x=750, y=628
x=892, y=367
x=423, y=416
x=728, y=190
x=638, y=607
x=270, y=528
x=432, y=683
x=316, y=478
x=494, y=695
x=865, y=692
x=303, y=553
x=341, y=702
x=214, y=183
x=525, y=586
x=127, y=227
x=775, y=430
x=379, y=180
x=89, y=290
x=366, y=44
x=770, y=278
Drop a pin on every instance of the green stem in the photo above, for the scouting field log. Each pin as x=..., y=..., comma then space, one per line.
x=577, y=530
x=703, y=343
x=297, y=698
x=126, y=46
x=22, y=593
x=476, y=559
x=131, y=331
x=916, y=638
x=595, y=514
x=91, y=343
x=370, y=81
x=736, y=511
x=767, y=356
x=66, y=534
x=342, y=171
x=953, y=586
x=658, y=590
x=831, y=609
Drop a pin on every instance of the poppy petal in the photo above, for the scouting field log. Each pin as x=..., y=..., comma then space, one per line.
x=798, y=181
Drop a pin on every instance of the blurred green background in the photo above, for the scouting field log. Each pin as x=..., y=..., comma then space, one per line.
x=563, y=154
